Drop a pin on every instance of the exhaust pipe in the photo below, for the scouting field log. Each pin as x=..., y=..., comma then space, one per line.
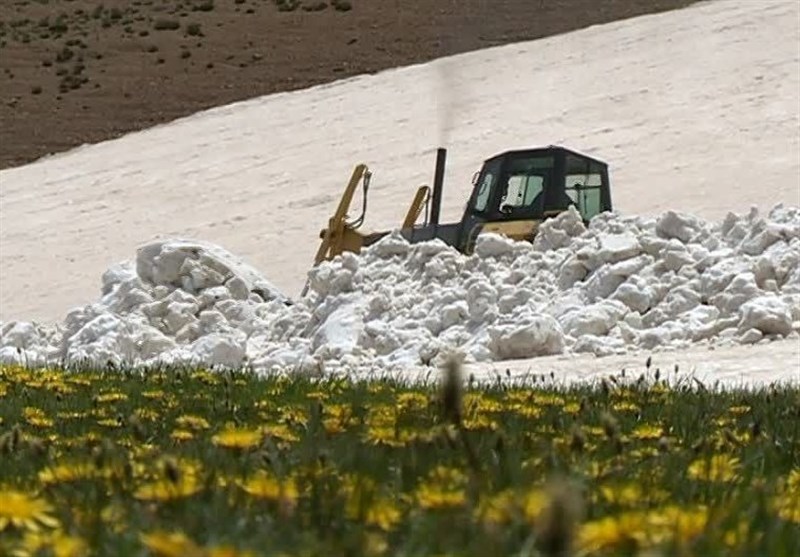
x=438, y=185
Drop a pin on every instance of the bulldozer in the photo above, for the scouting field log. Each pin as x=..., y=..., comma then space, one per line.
x=512, y=194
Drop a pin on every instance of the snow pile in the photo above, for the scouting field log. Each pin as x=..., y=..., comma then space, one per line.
x=624, y=283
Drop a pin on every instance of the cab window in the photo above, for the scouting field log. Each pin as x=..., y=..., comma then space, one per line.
x=485, y=186
x=583, y=182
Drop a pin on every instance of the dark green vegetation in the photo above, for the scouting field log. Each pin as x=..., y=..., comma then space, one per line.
x=190, y=462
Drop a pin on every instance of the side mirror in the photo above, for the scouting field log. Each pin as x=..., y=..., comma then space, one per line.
x=475, y=178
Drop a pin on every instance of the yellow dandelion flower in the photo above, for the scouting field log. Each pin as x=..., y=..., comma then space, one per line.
x=170, y=544
x=718, y=468
x=234, y=438
x=36, y=417
x=498, y=508
x=318, y=395
x=71, y=415
x=189, y=421
x=431, y=496
x=412, y=401
x=113, y=396
x=534, y=503
x=182, y=435
x=480, y=421
x=154, y=395
x=625, y=406
x=57, y=542
x=206, y=377
x=166, y=490
x=177, y=480
x=787, y=506
x=547, y=399
x=793, y=481
x=112, y=423
x=66, y=472
x=482, y=404
x=25, y=512
x=265, y=486
x=676, y=523
x=647, y=431
x=386, y=435
x=739, y=410
x=643, y=453
x=282, y=432
x=147, y=414
x=382, y=513
x=612, y=532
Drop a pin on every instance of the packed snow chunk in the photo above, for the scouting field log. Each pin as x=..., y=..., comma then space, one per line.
x=119, y=273
x=194, y=265
x=391, y=245
x=220, y=350
x=618, y=247
x=751, y=336
x=558, y=231
x=541, y=336
x=769, y=314
x=599, y=346
x=340, y=331
x=493, y=245
x=571, y=271
x=20, y=334
x=597, y=319
x=677, y=225
x=633, y=296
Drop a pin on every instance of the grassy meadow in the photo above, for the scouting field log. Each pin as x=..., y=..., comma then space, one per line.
x=181, y=462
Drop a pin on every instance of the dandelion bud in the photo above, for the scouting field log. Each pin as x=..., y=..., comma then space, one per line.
x=452, y=391
x=610, y=425
x=578, y=441
x=557, y=525
x=137, y=427
x=171, y=471
x=7, y=443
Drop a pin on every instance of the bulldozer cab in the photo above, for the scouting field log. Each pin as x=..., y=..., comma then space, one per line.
x=512, y=194
x=538, y=183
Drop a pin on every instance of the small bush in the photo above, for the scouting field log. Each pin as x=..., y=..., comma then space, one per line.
x=36, y=90
x=205, y=6
x=65, y=54
x=287, y=5
x=342, y=5
x=194, y=30
x=166, y=25
x=315, y=6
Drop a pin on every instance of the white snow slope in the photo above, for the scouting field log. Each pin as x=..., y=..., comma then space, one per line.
x=697, y=111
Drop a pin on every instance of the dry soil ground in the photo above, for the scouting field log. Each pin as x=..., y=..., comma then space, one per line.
x=81, y=71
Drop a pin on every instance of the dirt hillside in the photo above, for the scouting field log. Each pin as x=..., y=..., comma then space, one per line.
x=81, y=71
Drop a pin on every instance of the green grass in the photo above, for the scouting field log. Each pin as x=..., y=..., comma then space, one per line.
x=190, y=459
